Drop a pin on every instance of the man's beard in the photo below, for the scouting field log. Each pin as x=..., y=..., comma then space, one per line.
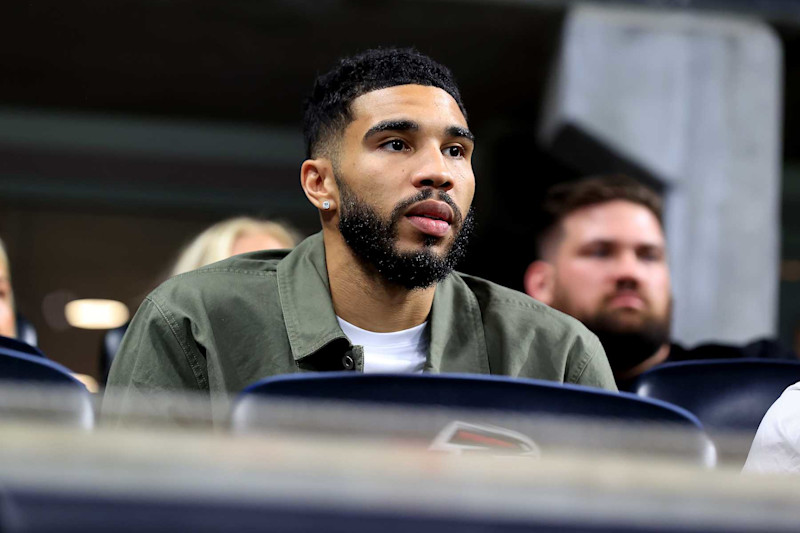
x=373, y=240
x=629, y=345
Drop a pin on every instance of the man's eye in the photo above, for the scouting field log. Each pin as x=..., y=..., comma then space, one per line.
x=395, y=145
x=454, y=151
x=650, y=255
x=600, y=251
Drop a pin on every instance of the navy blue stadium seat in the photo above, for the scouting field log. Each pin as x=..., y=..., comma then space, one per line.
x=724, y=394
x=470, y=394
x=19, y=366
x=18, y=346
x=32, y=385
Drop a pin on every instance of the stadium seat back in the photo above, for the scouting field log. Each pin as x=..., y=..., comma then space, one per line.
x=467, y=392
x=470, y=394
x=18, y=346
x=31, y=385
x=729, y=394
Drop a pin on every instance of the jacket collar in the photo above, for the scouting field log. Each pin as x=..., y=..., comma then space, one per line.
x=457, y=342
x=305, y=295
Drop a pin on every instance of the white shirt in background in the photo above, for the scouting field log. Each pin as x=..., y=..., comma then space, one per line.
x=776, y=447
x=398, y=351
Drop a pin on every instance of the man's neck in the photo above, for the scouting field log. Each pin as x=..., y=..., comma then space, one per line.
x=656, y=359
x=360, y=296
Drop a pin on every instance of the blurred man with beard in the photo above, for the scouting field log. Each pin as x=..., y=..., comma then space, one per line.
x=603, y=260
x=389, y=168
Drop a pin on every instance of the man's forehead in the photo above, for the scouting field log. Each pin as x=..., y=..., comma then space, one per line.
x=615, y=221
x=401, y=101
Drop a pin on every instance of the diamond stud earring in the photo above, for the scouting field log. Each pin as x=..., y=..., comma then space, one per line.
x=326, y=204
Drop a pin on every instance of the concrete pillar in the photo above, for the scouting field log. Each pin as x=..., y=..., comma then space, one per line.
x=692, y=102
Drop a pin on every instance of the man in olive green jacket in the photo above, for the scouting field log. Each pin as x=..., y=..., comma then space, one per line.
x=389, y=169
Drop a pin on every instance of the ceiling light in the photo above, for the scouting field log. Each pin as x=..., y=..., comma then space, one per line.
x=96, y=314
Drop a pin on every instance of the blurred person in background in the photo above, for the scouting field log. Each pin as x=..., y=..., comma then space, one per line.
x=603, y=260
x=389, y=169
x=232, y=237
x=222, y=240
x=776, y=447
x=8, y=322
x=8, y=315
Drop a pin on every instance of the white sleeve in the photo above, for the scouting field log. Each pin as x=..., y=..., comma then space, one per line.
x=776, y=447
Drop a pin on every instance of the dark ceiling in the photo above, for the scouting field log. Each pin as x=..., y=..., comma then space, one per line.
x=254, y=60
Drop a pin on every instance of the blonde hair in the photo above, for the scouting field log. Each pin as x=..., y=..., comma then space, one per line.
x=216, y=242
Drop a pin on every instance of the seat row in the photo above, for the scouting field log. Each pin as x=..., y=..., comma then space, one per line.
x=697, y=396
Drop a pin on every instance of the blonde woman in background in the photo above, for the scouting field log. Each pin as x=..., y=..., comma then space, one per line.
x=222, y=240
x=231, y=237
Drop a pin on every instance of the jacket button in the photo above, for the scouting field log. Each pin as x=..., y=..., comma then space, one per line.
x=348, y=362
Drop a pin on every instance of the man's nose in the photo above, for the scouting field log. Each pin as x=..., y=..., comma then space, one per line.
x=432, y=170
x=628, y=268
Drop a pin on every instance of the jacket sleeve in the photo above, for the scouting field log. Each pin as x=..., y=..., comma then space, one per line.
x=155, y=356
x=593, y=369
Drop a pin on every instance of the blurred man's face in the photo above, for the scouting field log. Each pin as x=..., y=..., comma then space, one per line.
x=611, y=270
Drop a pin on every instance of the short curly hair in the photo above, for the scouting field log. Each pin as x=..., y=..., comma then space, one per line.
x=327, y=110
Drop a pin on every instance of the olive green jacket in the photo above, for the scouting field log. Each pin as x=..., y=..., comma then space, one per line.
x=226, y=325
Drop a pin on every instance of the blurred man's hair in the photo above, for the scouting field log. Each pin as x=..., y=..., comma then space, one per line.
x=565, y=198
x=327, y=109
x=216, y=243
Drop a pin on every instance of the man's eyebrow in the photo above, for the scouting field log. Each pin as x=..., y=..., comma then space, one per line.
x=391, y=125
x=458, y=131
x=599, y=241
x=610, y=241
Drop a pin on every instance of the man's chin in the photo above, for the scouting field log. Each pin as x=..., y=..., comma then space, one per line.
x=436, y=246
x=421, y=250
x=626, y=319
x=629, y=338
x=625, y=326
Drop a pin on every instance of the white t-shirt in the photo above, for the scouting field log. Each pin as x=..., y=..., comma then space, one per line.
x=398, y=351
x=776, y=447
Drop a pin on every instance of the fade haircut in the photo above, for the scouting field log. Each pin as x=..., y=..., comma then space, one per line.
x=565, y=198
x=327, y=109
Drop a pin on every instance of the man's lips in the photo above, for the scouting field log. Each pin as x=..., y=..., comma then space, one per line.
x=628, y=299
x=431, y=217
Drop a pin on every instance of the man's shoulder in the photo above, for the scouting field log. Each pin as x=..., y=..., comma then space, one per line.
x=251, y=263
x=231, y=274
x=527, y=338
x=514, y=306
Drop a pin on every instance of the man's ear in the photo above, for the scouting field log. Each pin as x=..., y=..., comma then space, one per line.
x=317, y=180
x=539, y=281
